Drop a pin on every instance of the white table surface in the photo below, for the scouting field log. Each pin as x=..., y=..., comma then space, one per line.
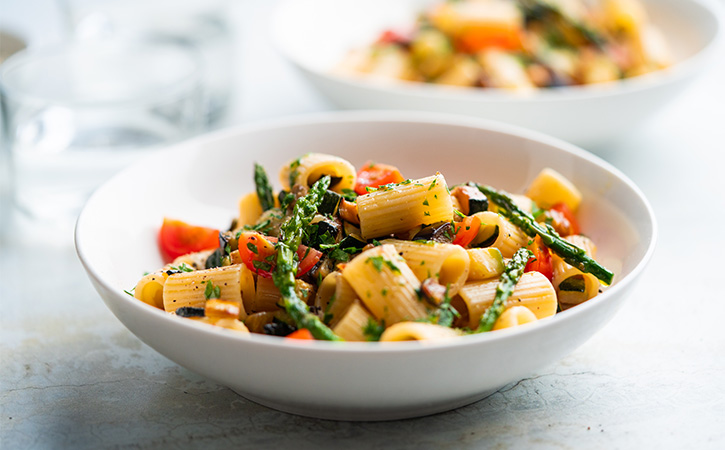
x=71, y=376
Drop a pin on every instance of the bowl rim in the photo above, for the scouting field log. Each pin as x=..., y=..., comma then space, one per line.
x=365, y=117
x=677, y=71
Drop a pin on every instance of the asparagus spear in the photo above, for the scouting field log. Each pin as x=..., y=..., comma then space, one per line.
x=291, y=232
x=510, y=276
x=538, y=9
x=569, y=252
x=264, y=188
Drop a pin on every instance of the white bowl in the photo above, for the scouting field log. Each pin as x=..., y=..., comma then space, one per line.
x=200, y=181
x=315, y=35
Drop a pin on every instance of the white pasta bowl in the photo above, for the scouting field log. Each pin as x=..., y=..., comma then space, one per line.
x=200, y=182
x=314, y=35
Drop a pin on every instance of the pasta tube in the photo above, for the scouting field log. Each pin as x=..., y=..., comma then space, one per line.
x=533, y=291
x=402, y=207
x=572, y=285
x=351, y=326
x=150, y=289
x=386, y=285
x=550, y=187
x=417, y=331
x=309, y=168
x=447, y=263
x=188, y=288
x=498, y=232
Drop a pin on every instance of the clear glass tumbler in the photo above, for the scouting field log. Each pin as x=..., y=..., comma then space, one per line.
x=203, y=25
x=74, y=115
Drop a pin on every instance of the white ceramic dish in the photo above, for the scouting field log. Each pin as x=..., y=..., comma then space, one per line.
x=200, y=182
x=315, y=35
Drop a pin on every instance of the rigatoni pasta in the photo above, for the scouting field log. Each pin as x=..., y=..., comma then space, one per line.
x=381, y=258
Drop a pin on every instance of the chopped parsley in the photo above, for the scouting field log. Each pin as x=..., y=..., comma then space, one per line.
x=377, y=262
x=373, y=330
x=263, y=227
x=349, y=195
x=211, y=291
x=262, y=265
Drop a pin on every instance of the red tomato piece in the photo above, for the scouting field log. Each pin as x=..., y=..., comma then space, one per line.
x=258, y=253
x=541, y=261
x=564, y=210
x=260, y=256
x=391, y=37
x=302, y=333
x=465, y=231
x=475, y=39
x=177, y=238
x=373, y=175
x=309, y=257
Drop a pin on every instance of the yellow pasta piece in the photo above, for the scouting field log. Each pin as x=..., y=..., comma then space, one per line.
x=550, y=187
x=485, y=263
x=496, y=231
x=402, y=207
x=352, y=324
x=624, y=15
x=533, y=291
x=513, y=317
x=386, y=285
x=309, y=168
x=226, y=322
x=345, y=295
x=417, y=331
x=250, y=210
x=150, y=289
x=447, y=263
x=188, y=288
x=572, y=285
x=255, y=322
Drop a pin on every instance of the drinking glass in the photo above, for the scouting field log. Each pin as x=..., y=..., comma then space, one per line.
x=75, y=114
x=203, y=25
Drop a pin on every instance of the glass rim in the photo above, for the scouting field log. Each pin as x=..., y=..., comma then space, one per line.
x=189, y=81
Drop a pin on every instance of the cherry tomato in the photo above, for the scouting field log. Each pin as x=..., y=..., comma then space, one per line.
x=541, y=261
x=177, y=238
x=302, y=333
x=259, y=255
x=568, y=215
x=465, y=231
x=391, y=37
x=373, y=175
x=475, y=39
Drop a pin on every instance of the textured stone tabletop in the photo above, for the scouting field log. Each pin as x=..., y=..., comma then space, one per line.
x=71, y=376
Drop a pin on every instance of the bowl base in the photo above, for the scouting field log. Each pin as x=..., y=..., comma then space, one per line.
x=366, y=414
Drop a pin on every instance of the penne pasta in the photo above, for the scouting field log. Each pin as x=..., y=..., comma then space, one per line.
x=499, y=233
x=572, y=285
x=386, y=285
x=533, y=291
x=417, y=331
x=313, y=166
x=189, y=289
x=351, y=325
x=448, y=264
x=404, y=206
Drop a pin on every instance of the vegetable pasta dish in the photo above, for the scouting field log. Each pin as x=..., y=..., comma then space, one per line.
x=517, y=45
x=368, y=255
